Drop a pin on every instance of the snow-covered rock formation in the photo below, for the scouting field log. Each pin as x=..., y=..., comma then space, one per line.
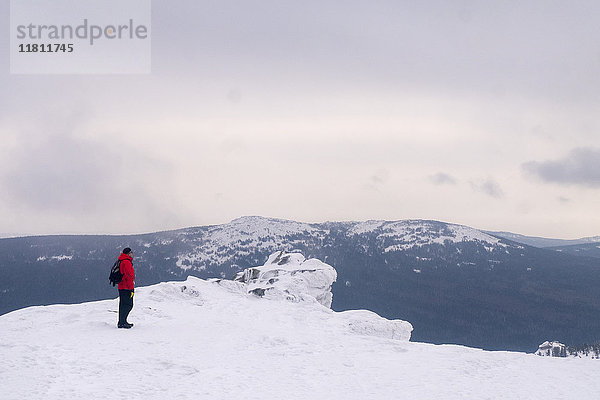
x=557, y=349
x=291, y=276
x=552, y=349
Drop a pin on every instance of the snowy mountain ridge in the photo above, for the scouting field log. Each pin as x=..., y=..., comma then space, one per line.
x=213, y=244
x=200, y=339
x=250, y=234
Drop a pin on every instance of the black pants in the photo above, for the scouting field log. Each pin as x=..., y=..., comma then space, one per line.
x=125, y=304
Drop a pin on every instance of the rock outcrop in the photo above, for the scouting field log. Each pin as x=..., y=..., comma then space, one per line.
x=552, y=349
x=291, y=276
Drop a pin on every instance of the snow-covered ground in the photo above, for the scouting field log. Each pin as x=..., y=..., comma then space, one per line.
x=213, y=340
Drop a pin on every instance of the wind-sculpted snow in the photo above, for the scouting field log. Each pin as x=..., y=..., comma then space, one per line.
x=212, y=340
x=291, y=276
x=365, y=322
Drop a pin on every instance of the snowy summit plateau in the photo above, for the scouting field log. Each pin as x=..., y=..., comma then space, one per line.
x=268, y=334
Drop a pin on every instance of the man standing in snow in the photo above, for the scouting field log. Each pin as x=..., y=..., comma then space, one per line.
x=126, y=287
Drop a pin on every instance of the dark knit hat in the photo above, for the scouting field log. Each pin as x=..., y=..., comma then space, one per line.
x=126, y=250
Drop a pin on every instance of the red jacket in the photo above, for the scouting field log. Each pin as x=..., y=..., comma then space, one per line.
x=127, y=271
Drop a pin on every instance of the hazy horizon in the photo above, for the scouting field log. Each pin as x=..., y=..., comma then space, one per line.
x=6, y=235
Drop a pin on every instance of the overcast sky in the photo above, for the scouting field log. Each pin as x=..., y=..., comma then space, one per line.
x=477, y=113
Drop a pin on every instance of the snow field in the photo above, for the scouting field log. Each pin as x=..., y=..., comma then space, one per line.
x=212, y=340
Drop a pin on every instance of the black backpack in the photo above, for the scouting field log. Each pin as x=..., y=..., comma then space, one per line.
x=115, y=276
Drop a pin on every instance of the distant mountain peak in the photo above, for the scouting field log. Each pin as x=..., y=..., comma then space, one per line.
x=258, y=225
x=421, y=232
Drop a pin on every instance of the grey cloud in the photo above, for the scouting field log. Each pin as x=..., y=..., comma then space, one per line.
x=314, y=47
x=442, y=179
x=489, y=187
x=439, y=44
x=59, y=172
x=234, y=95
x=483, y=46
x=580, y=167
x=380, y=176
x=377, y=179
